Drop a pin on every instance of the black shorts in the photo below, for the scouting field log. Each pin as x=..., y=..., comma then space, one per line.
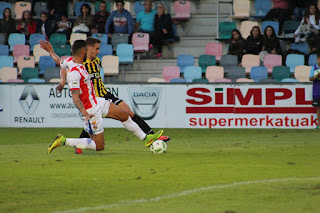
x=114, y=99
x=316, y=102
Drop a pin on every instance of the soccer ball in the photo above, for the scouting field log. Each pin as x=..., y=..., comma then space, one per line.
x=316, y=72
x=158, y=147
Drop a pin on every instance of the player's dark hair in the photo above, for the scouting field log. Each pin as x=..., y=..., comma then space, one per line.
x=92, y=41
x=77, y=46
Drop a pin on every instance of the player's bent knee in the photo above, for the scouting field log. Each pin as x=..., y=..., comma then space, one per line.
x=100, y=147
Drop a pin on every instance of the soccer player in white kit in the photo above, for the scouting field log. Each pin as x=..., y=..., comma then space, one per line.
x=93, y=108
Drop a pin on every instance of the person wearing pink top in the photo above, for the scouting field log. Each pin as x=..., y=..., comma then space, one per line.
x=279, y=12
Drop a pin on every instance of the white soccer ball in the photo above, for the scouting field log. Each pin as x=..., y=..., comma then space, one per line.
x=158, y=147
x=316, y=72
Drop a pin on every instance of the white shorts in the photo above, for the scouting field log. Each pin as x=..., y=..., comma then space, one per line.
x=94, y=125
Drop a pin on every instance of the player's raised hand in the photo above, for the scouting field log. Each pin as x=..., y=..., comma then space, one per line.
x=46, y=46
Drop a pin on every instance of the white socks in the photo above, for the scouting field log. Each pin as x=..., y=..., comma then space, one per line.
x=133, y=127
x=81, y=143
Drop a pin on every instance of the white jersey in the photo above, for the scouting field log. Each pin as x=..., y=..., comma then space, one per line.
x=79, y=79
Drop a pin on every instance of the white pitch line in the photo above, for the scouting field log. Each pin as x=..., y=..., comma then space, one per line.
x=183, y=193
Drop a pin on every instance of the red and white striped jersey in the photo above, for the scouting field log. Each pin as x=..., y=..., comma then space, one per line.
x=79, y=79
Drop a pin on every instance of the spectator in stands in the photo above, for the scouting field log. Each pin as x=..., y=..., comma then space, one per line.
x=100, y=19
x=162, y=28
x=300, y=7
x=7, y=24
x=270, y=43
x=56, y=8
x=84, y=21
x=253, y=43
x=27, y=25
x=315, y=44
x=316, y=88
x=44, y=25
x=145, y=19
x=310, y=24
x=63, y=26
x=280, y=11
x=121, y=20
x=236, y=44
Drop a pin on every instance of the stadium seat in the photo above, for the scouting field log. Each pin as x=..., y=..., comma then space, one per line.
x=170, y=72
x=2, y=39
x=289, y=27
x=178, y=80
x=77, y=7
x=273, y=24
x=28, y=73
x=241, y=8
x=192, y=72
x=38, y=51
x=138, y=7
x=15, y=80
x=36, y=80
x=4, y=49
x=250, y=60
x=40, y=7
x=205, y=61
x=257, y=73
x=182, y=10
x=294, y=60
x=280, y=72
x=215, y=49
x=184, y=61
x=4, y=5
x=214, y=72
x=62, y=49
x=200, y=80
x=312, y=60
x=302, y=73
x=156, y=80
x=35, y=38
x=77, y=36
x=16, y=38
x=235, y=72
x=267, y=80
x=127, y=6
x=290, y=80
x=97, y=4
x=225, y=29
x=7, y=73
x=140, y=43
x=21, y=6
x=246, y=26
x=261, y=8
x=228, y=60
x=244, y=80
x=51, y=73
x=6, y=61
x=25, y=61
x=105, y=49
x=302, y=47
x=101, y=36
x=45, y=62
x=119, y=38
x=166, y=3
x=110, y=65
x=272, y=60
x=226, y=80
x=20, y=50
x=55, y=80
x=58, y=39
x=125, y=53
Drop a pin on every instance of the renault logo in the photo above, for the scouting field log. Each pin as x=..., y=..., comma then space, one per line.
x=29, y=100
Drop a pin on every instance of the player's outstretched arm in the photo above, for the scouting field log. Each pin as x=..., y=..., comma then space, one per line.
x=48, y=47
x=63, y=76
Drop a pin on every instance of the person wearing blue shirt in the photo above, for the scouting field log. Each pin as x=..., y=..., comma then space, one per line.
x=145, y=19
x=121, y=19
x=316, y=87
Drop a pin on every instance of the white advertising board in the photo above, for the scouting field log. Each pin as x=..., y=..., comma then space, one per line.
x=169, y=106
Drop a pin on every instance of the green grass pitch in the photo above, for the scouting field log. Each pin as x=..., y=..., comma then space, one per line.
x=204, y=170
